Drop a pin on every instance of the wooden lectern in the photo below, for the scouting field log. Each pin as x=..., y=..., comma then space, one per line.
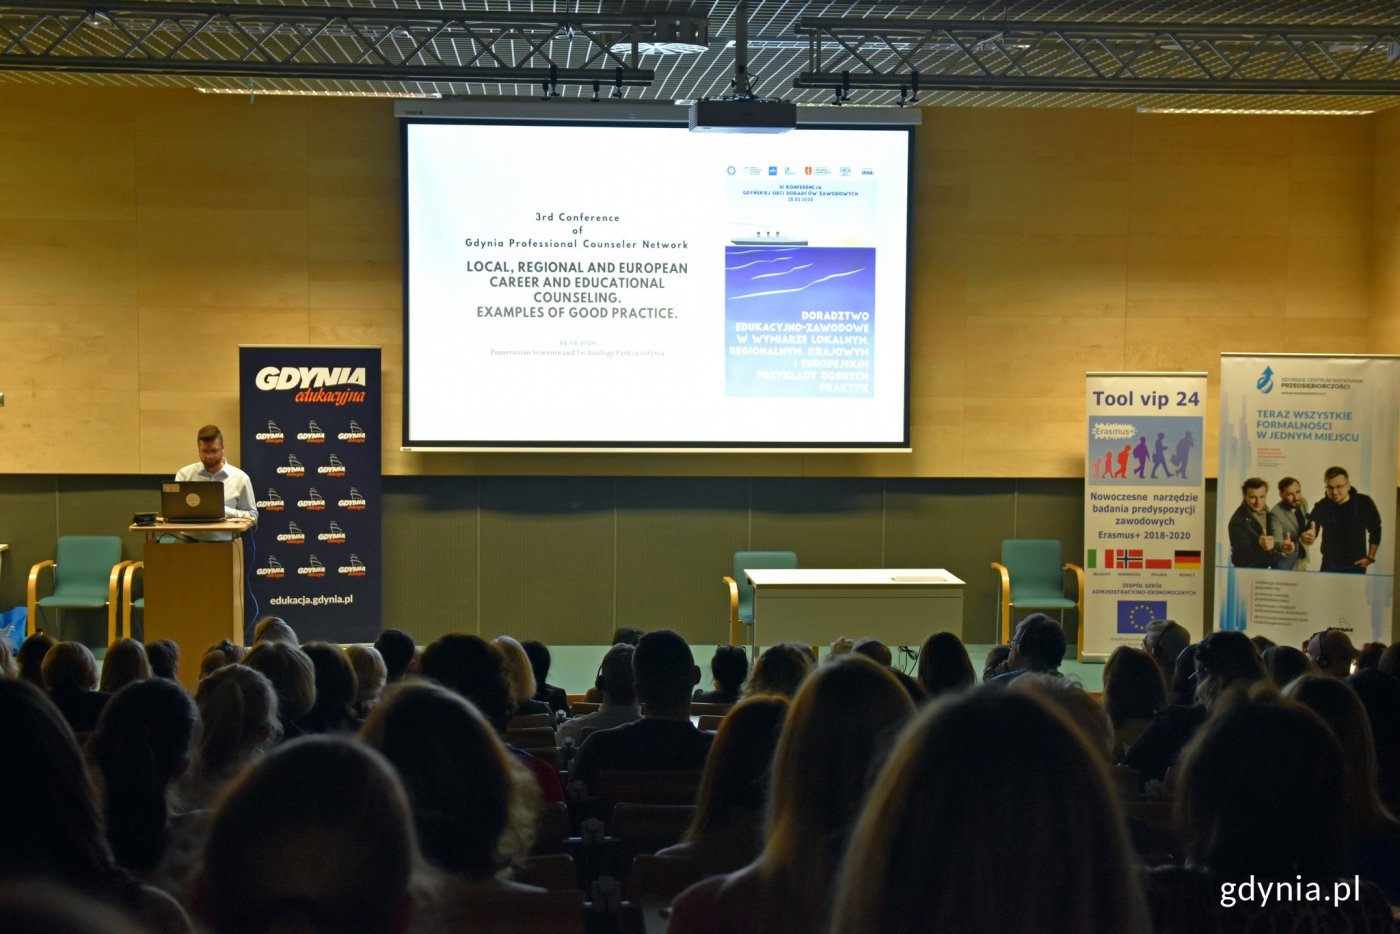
x=194, y=590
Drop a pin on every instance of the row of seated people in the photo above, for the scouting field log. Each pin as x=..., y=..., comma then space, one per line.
x=850, y=803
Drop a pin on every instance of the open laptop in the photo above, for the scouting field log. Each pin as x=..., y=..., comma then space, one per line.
x=192, y=501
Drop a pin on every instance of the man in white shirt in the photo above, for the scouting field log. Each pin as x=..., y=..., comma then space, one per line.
x=239, y=500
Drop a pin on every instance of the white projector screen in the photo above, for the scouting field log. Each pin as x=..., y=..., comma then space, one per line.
x=591, y=286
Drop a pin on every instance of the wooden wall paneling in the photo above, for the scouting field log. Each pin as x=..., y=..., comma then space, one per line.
x=169, y=420
x=676, y=538
x=548, y=559
x=68, y=431
x=57, y=260
x=957, y=525
x=430, y=544
x=172, y=337
x=1025, y=436
x=69, y=347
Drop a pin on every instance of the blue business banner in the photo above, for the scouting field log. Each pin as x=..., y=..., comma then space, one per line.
x=310, y=443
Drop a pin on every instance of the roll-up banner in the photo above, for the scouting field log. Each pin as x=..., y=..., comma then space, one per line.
x=311, y=445
x=1144, y=506
x=1305, y=517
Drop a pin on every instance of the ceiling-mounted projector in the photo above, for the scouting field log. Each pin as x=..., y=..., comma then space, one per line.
x=748, y=115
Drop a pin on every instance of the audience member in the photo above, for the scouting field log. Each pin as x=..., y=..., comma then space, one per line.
x=730, y=668
x=50, y=818
x=1373, y=834
x=556, y=697
x=878, y=652
x=474, y=806
x=1084, y=711
x=8, y=668
x=1223, y=660
x=238, y=721
x=1259, y=799
x=274, y=629
x=1261, y=643
x=1390, y=661
x=333, y=711
x=124, y=663
x=370, y=677
x=1181, y=689
x=217, y=656
x=995, y=662
x=727, y=831
x=779, y=670
x=1133, y=692
x=70, y=677
x=1037, y=645
x=29, y=658
x=617, y=688
x=1369, y=656
x=1163, y=640
x=1331, y=652
x=944, y=667
x=316, y=837
x=164, y=656
x=520, y=679
x=1284, y=663
x=663, y=739
x=838, y=730
x=398, y=650
x=937, y=828
x=293, y=677
x=1380, y=695
x=475, y=669
x=140, y=747
x=628, y=635
x=43, y=906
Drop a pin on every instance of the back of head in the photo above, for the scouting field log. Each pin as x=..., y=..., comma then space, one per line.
x=873, y=649
x=1070, y=698
x=1284, y=663
x=1260, y=791
x=665, y=670
x=615, y=676
x=1225, y=660
x=370, y=674
x=292, y=674
x=473, y=668
x=42, y=906
x=217, y=656
x=124, y=663
x=1332, y=652
x=996, y=658
x=519, y=675
x=1183, y=678
x=70, y=666
x=1337, y=704
x=1389, y=662
x=237, y=715
x=1040, y=638
x=627, y=635
x=457, y=775
x=398, y=649
x=540, y=660
x=316, y=837
x=940, y=823
x=739, y=767
x=1133, y=688
x=49, y=810
x=780, y=670
x=1164, y=640
x=8, y=668
x=274, y=629
x=335, y=678
x=730, y=666
x=1369, y=655
x=1380, y=695
x=29, y=657
x=164, y=656
x=838, y=730
x=944, y=666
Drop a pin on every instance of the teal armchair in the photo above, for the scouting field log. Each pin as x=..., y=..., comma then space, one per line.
x=741, y=591
x=1033, y=578
x=86, y=576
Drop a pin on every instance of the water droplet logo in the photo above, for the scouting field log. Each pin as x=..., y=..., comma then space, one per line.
x=1265, y=383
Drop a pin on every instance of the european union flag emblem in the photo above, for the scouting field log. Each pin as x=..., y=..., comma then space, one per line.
x=1134, y=615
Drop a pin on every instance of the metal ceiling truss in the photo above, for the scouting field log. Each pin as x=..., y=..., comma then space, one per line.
x=148, y=38
x=844, y=54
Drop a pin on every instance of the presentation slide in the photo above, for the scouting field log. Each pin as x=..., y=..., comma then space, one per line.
x=602, y=286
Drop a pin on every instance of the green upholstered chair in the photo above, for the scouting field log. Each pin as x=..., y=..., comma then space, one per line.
x=86, y=576
x=130, y=602
x=741, y=591
x=1033, y=578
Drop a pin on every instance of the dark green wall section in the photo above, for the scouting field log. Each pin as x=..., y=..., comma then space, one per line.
x=568, y=559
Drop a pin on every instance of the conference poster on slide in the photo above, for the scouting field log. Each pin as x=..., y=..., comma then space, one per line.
x=725, y=287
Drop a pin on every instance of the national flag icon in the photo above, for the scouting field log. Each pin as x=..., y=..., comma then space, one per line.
x=1159, y=564
x=1123, y=558
x=1188, y=560
x=1134, y=615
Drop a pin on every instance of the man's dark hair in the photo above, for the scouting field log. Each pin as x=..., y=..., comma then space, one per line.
x=615, y=676
x=1286, y=482
x=874, y=649
x=664, y=667
x=164, y=656
x=628, y=635
x=396, y=648
x=209, y=433
x=730, y=666
x=538, y=654
x=1332, y=472
x=1254, y=483
x=473, y=668
x=1040, y=638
